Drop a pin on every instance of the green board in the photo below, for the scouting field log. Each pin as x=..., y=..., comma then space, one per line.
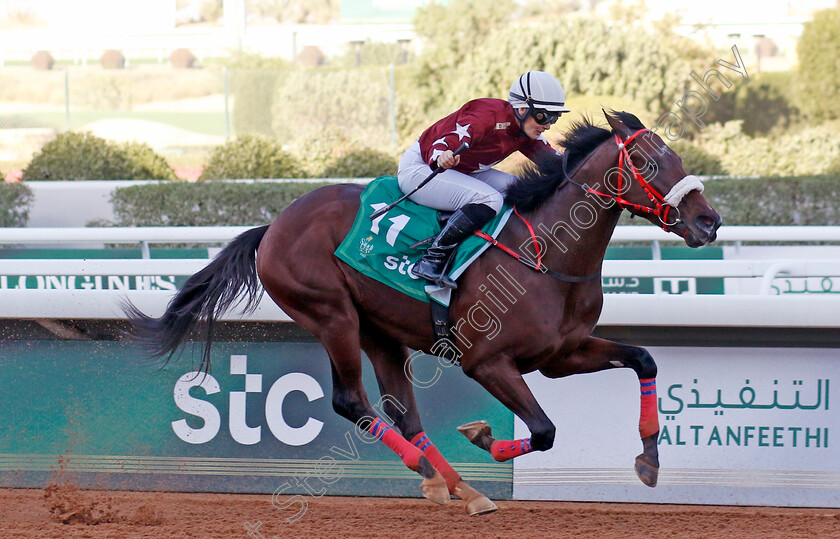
x=262, y=422
x=648, y=285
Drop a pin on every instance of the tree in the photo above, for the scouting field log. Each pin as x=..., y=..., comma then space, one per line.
x=537, y=10
x=211, y=10
x=590, y=57
x=295, y=11
x=819, y=68
x=450, y=33
x=478, y=48
x=253, y=80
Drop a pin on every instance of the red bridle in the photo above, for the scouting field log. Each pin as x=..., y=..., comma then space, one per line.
x=660, y=208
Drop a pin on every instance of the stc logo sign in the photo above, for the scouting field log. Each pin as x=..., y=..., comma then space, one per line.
x=237, y=424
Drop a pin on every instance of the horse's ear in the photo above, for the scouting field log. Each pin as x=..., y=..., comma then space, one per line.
x=617, y=125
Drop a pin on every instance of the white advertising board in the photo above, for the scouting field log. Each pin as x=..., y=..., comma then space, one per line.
x=739, y=426
x=783, y=284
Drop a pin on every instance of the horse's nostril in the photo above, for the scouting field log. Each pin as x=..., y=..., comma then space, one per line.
x=707, y=223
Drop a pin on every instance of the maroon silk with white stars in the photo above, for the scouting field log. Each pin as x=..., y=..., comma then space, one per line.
x=489, y=126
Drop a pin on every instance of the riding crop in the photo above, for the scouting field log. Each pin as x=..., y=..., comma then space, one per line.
x=438, y=170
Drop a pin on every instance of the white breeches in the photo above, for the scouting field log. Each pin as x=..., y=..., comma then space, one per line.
x=451, y=190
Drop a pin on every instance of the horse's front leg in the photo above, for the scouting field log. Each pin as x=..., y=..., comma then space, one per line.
x=502, y=379
x=595, y=355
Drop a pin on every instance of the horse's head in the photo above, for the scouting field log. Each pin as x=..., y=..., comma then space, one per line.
x=652, y=183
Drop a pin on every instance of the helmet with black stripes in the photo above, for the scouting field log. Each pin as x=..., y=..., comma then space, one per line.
x=538, y=91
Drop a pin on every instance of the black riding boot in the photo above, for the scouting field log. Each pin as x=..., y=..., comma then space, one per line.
x=434, y=264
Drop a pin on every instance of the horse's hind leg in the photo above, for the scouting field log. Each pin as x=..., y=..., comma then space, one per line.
x=595, y=355
x=350, y=401
x=398, y=404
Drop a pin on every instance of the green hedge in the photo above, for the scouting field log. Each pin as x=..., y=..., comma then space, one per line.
x=810, y=151
x=250, y=157
x=204, y=203
x=83, y=156
x=773, y=201
x=336, y=154
x=360, y=163
x=253, y=94
x=330, y=155
x=15, y=200
x=804, y=200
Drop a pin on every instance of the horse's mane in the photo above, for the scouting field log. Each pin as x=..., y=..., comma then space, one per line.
x=538, y=181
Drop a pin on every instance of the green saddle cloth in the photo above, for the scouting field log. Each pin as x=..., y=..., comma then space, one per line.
x=381, y=249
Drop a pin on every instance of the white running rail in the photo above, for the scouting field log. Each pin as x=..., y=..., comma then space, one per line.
x=760, y=310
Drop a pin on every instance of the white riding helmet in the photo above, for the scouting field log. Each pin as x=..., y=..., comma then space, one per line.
x=538, y=90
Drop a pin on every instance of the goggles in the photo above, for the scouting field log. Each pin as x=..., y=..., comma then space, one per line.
x=544, y=117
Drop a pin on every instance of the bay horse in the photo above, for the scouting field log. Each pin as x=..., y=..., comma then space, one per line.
x=568, y=208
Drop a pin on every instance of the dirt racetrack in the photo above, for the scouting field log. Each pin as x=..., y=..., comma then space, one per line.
x=70, y=514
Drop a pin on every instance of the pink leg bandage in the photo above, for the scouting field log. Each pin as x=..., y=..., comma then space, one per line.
x=503, y=450
x=409, y=454
x=648, y=416
x=422, y=442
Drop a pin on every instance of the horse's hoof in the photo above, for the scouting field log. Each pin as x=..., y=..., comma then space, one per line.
x=475, y=502
x=435, y=489
x=478, y=432
x=647, y=471
x=480, y=506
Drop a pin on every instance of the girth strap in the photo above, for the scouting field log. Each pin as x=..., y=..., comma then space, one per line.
x=440, y=324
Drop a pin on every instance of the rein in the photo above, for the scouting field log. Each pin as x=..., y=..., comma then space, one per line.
x=527, y=262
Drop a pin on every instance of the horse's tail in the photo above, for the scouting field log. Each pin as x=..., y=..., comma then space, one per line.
x=203, y=298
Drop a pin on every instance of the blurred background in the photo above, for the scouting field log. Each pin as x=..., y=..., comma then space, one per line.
x=316, y=77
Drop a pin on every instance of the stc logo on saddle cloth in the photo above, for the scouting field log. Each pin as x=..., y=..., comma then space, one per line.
x=238, y=424
x=403, y=266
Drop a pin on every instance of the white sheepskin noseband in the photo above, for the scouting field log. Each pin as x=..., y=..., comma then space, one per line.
x=682, y=188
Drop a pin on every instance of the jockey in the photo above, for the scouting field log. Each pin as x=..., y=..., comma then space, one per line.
x=469, y=186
